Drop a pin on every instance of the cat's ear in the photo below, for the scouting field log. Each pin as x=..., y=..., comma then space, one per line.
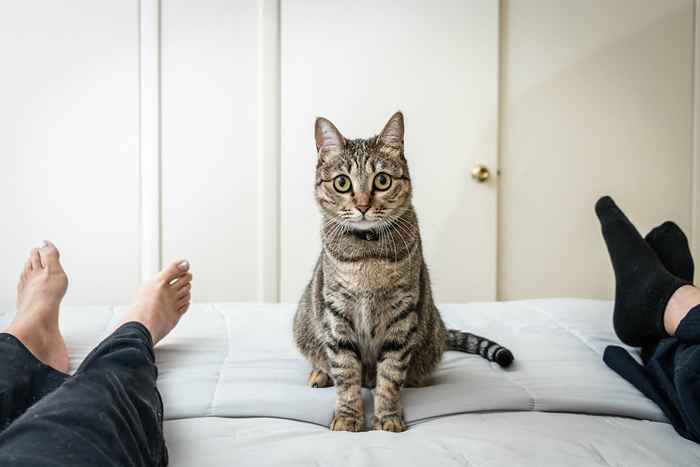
x=328, y=138
x=392, y=134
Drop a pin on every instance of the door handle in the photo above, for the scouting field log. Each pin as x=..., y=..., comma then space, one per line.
x=480, y=173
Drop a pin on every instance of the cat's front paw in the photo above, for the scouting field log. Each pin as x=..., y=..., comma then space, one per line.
x=393, y=423
x=347, y=424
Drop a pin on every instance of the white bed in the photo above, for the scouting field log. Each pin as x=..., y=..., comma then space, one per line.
x=234, y=393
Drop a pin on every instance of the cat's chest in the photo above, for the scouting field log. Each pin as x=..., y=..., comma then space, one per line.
x=368, y=276
x=369, y=317
x=372, y=289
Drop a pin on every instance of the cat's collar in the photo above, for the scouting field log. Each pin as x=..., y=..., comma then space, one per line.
x=368, y=235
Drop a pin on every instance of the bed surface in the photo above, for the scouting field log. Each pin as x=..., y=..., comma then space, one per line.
x=234, y=392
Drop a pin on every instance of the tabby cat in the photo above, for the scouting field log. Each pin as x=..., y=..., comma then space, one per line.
x=367, y=317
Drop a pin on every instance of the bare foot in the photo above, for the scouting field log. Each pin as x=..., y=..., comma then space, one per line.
x=681, y=302
x=161, y=301
x=41, y=288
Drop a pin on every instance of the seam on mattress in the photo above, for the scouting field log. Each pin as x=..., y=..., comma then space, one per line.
x=532, y=403
x=210, y=410
x=566, y=328
x=559, y=324
x=591, y=448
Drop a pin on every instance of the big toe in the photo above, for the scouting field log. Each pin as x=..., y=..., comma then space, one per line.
x=614, y=222
x=174, y=270
x=605, y=208
x=50, y=256
x=672, y=228
x=670, y=244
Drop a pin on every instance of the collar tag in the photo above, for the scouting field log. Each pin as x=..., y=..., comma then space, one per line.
x=366, y=235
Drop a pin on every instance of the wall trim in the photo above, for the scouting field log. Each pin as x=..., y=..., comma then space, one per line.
x=500, y=39
x=269, y=136
x=695, y=175
x=150, y=137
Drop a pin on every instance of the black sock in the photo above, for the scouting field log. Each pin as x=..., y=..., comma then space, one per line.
x=671, y=246
x=642, y=284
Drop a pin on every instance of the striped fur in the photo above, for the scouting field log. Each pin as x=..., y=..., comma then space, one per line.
x=367, y=316
x=471, y=343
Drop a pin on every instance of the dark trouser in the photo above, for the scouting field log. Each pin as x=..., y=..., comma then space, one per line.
x=671, y=376
x=108, y=414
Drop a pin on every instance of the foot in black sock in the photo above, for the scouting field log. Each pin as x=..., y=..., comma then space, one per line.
x=642, y=284
x=671, y=246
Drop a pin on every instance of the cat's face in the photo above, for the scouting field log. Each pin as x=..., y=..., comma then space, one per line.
x=363, y=183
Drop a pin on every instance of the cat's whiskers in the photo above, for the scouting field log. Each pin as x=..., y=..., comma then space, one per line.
x=393, y=243
x=408, y=251
x=382, y=239
x=411, y=239
x=330, y=220
x=334, y=235
x=330, y=230
x=390, y=243
x=405, y=225
x=409, y=231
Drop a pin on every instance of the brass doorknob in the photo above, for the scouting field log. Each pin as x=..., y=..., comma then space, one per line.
x=480, y=173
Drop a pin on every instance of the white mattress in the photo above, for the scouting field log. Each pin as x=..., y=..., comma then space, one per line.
x=234, y=392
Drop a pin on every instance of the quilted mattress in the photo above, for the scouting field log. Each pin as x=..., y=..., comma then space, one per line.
x=234, y=392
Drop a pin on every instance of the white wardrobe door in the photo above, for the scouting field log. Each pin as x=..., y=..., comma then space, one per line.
x=597, y=99
x=358, y=62
x=209, y=145
x=69, y=143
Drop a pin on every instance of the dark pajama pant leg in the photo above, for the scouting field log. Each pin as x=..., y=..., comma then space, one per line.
x=671, y=376
x=24, y=380
x=108, y=414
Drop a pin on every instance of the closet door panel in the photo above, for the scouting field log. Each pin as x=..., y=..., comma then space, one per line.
x=69, y=117
x=358, y=62
x=209, y=144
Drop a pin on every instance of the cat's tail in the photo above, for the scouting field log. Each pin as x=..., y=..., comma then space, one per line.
x=471, y=343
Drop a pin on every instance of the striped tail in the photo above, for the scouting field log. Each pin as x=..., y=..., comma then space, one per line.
x=471, y=343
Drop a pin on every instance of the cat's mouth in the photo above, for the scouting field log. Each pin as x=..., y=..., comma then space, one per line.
x=363, y=224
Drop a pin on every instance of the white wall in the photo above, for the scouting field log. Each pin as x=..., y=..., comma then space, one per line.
x=210, y=183
x=357, y=67
x=596, y=97
x=69, y=143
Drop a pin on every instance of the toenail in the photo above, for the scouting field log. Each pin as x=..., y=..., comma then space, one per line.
x=184, y=265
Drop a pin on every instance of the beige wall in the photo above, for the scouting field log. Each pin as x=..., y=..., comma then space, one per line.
x=596, y=98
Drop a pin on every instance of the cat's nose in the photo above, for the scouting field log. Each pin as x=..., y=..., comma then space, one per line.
x=362, y=202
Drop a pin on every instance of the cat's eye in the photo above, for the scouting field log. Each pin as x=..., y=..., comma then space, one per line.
x=382, y=181
x=342, y=184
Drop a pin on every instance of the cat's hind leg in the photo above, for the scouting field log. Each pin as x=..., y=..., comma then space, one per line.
x=319, y=379
x=413, y=381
